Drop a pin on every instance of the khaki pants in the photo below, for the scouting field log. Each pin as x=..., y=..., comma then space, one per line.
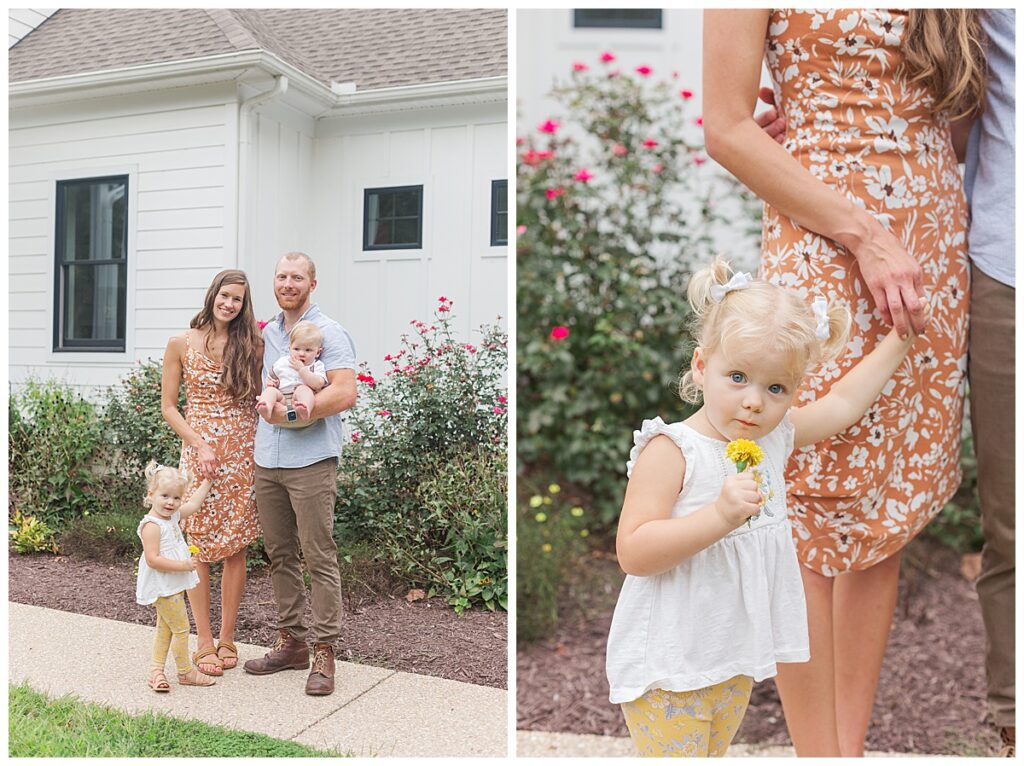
x=296, y=509
x=990, y=368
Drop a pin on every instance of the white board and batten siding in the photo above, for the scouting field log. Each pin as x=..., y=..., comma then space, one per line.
x=179, y=155
x=455, y=153
x=21, y=21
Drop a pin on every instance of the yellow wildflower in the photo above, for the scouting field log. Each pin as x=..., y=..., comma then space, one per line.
x=536, y=501
x=554, y=489
x=541, y=517
x=743, y=452
x=546, y=547
x=193, y=549
x=584, y=532
x=576, y=511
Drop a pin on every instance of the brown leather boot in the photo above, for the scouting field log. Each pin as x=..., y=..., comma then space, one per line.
x=287, y=653
x=321, y=677
x=1009, y=737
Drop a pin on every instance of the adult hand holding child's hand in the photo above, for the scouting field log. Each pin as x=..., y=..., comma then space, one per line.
x=739, y=499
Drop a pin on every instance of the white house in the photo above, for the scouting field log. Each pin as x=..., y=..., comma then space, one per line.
x=151, y=148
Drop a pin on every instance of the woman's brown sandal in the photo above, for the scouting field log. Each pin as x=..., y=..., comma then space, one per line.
x=208, y=656
x=230, y=657
x=195, y=677
x=158, y=681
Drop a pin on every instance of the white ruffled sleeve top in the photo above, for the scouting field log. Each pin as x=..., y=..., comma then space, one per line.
x=154, y=583
x=735, y=608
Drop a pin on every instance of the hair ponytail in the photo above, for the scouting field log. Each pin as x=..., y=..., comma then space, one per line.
x=698, y=292
x=839, y=321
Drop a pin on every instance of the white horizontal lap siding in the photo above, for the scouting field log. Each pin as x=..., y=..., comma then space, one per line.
x=179, y=157
x=454, y=154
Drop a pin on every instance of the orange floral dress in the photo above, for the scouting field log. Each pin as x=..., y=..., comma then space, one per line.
x=227, y=520
x=857, y=124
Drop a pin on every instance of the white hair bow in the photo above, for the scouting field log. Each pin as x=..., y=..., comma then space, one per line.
x=739, y=281
x=820, y=307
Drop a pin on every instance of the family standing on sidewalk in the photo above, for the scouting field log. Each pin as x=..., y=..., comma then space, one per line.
x=273, y=478
x=864, y=208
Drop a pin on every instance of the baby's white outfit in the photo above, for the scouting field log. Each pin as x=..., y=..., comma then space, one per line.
x=154, y=583
x=290, y=377
x=735, y=608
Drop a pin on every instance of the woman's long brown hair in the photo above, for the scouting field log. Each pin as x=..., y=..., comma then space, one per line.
x=945, y=51
x=241, y=362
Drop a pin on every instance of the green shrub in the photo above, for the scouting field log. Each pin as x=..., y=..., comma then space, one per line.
x=613, y=207
x=30, y=535
x=107, y=536
x=958, y=524
x=54, y=440
x=134, y=423
x=551, y=535
x=440, y=401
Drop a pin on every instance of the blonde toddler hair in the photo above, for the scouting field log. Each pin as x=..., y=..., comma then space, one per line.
x=306, y=332
x=761, y=316
x=159, y=475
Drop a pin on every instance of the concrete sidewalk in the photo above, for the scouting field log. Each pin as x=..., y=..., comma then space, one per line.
x=544, y=744
x=373, y=711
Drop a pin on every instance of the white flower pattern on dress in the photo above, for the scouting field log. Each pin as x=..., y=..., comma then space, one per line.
x=857, y=123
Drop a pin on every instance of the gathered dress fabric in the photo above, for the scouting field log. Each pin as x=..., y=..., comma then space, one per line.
x=857, y=124
x=227, y=520
x=154, y=584
x=735, y=608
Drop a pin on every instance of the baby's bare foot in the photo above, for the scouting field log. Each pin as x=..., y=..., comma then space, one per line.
x=262, y=407
x=301, y=410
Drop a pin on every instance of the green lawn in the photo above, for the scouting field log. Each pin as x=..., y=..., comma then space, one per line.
x=40, y=726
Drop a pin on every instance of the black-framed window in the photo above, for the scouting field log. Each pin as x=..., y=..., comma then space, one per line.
x=393, y=218
x=611, y=18
x=499, y=213
x=90, y=270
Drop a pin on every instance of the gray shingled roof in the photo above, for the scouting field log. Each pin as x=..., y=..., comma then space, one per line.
x=374, y=48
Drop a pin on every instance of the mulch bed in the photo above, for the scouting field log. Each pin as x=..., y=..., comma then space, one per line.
x=930, y=699
x=425, y=636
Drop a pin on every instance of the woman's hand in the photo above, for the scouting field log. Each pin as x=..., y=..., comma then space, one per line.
x=208, y=462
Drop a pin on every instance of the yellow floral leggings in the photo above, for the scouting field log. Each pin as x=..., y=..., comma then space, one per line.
x=688, y=724
x=172, y=630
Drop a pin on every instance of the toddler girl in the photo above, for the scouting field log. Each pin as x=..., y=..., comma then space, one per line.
x=713, y=598
x=298, y=375
x=166, y=571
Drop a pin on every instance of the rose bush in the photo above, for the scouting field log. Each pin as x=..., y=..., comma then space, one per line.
x=615, y=204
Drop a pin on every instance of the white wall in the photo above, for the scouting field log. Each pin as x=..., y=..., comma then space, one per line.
x=21, y=21
x=178, y=148
x=454, y=153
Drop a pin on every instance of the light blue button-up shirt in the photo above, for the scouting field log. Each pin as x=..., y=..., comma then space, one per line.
x=278, y=447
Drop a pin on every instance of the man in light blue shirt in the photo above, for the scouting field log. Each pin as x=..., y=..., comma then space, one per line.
x=296, y=475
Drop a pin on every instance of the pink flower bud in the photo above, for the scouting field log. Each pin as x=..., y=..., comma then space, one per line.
x=686, y=94
x=556, y=192
x=579, y=66
x=584, y=175
x=643, y=70
x=619, y=150
x=548, y=126
x=607, y=57
x=559, y=332
x=650, y=143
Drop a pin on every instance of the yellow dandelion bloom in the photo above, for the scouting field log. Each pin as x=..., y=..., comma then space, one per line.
x=536, y=501
x=584, y=532
x=193, y=550
x=743, y=452
x=554, y=489
x=547, y=500
x=546, y=547
x=541, y=517
x=576, y=511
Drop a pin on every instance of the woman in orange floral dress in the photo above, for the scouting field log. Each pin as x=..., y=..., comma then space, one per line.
x=863, y=204
x=218, y=360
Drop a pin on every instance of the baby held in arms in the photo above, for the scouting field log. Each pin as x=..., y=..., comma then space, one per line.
x=298, y=375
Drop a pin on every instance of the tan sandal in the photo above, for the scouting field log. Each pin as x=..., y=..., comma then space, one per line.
x=158, y=681
x=230, y=657
x=195, y=677
x=210, y=652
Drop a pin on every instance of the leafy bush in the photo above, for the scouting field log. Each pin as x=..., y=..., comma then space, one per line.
x=441, y=401
x=551, y=535
x=53, y=441
x=958, y=524
x=107, y=536
x=134, y=424
x=613, y=207
x=30, y=535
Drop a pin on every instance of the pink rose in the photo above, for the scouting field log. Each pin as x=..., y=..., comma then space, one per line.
x=553, y=193
x=650, y=143
x=643, y=70
x=579, y=66
x=699, y=121
x=619, y=150
x=686, y=94
x=521, y=229
x=584, y=175
x=658, y=168
x=607, y=57
x=559, y=332
x=699, y=160
x=548, y=126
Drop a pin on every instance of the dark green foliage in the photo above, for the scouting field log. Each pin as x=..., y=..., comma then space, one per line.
x=134, y=424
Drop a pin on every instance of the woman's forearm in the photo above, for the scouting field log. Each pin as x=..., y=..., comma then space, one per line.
x=173, y=417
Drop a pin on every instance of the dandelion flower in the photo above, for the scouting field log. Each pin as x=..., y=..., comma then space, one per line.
x=193, y=549
x=546, y=547
x=536, y=501
x=541, y=517
x=576, y=511
x=743, y=452
x=554, y=489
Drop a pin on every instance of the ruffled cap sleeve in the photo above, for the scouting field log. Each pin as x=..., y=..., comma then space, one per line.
x=651, y=428
x=788, y=432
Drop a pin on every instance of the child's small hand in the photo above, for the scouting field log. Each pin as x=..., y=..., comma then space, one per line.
x=189, y=565
x=273, y=382
x=295, y=363
x=740, y=498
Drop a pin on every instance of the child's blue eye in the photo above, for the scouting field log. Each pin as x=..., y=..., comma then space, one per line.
x=738, y=377
x=776, y=388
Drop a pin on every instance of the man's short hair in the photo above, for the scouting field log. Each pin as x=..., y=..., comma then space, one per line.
x=311, y=267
